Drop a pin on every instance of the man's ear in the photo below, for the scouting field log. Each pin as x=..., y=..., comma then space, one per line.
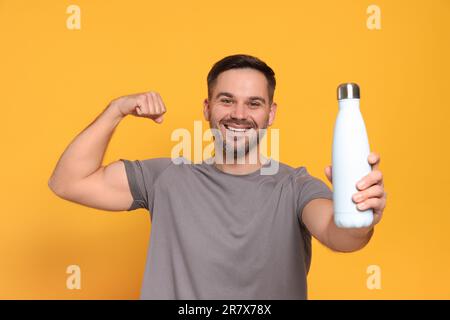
x=273, y=110
x=206, y=113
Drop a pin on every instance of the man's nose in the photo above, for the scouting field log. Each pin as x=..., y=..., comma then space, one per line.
x=239, y=111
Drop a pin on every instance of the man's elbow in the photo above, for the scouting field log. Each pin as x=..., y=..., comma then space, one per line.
x=349, y=245
x=347, y=240
x=346, y=249
x=56, y=188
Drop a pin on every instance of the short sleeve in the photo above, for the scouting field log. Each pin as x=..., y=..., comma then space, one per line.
x=142, y=176
x=308, y=188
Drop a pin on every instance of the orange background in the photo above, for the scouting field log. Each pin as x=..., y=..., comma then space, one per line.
x=55, y=81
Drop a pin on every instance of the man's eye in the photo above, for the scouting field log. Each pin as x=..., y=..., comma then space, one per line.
x=255, y=104
x=226, y=100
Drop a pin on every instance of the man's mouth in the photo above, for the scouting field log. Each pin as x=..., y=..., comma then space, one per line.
x=237, y=129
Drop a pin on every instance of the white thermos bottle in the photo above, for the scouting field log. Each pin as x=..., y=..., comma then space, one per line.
x=350, y=164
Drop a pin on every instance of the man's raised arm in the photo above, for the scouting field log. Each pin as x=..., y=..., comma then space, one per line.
x=79, y=175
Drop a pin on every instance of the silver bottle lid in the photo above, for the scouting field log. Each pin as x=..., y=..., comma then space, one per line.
x=348, y=91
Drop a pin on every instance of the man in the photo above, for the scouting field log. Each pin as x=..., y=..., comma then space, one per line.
x=220, y=230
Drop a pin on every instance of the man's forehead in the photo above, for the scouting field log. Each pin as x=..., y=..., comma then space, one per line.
x=241, y=83
x=242, y=74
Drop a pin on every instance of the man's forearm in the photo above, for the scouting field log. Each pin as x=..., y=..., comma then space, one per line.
x=85, y=153
x=348, y=240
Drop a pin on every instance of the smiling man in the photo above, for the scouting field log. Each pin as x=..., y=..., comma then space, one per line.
x=239, y=105
x=220, y=230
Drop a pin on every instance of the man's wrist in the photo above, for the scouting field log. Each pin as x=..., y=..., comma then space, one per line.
x=114, y=111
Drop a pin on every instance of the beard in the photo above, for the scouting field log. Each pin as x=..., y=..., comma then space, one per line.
x=240, y=147
x=236, y=147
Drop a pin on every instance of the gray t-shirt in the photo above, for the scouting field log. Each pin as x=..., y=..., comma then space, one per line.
x=217, y=235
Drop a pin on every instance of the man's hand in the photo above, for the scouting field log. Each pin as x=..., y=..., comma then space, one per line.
x=146, y=105
x=371, y=189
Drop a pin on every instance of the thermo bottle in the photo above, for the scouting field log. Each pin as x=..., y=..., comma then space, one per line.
x=350, y=164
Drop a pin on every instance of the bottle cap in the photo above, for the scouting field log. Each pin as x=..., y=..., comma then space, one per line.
x=348, y=91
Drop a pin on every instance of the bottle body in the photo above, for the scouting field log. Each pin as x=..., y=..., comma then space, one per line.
x=350, y=152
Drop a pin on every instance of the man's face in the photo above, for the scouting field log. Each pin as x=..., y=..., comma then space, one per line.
x=239, y=107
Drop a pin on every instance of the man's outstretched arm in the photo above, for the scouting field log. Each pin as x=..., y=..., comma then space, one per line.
x=318, y=213
x=79, y=175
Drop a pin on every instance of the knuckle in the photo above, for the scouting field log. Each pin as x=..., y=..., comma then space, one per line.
x=379, y=203
x=372, y=202
x=380, y=189
x=141, y=101
x=378, y=174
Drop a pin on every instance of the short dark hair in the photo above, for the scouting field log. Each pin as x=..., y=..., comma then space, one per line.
x=241, y=61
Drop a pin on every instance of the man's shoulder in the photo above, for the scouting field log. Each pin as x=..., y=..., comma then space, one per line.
x=285, y=168
x=156, y=162
x=174, y=165
x=152, y=167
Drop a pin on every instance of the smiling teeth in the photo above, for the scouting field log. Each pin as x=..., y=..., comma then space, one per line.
x=236, y=129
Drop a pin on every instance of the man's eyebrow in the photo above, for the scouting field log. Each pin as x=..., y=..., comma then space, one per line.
x=229, y=95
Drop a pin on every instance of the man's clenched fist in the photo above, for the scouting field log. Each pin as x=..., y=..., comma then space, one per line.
x=146, y=105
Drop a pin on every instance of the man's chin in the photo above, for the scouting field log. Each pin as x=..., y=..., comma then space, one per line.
x=231, y=154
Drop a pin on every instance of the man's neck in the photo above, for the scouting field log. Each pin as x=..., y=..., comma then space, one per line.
x=237, y=168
